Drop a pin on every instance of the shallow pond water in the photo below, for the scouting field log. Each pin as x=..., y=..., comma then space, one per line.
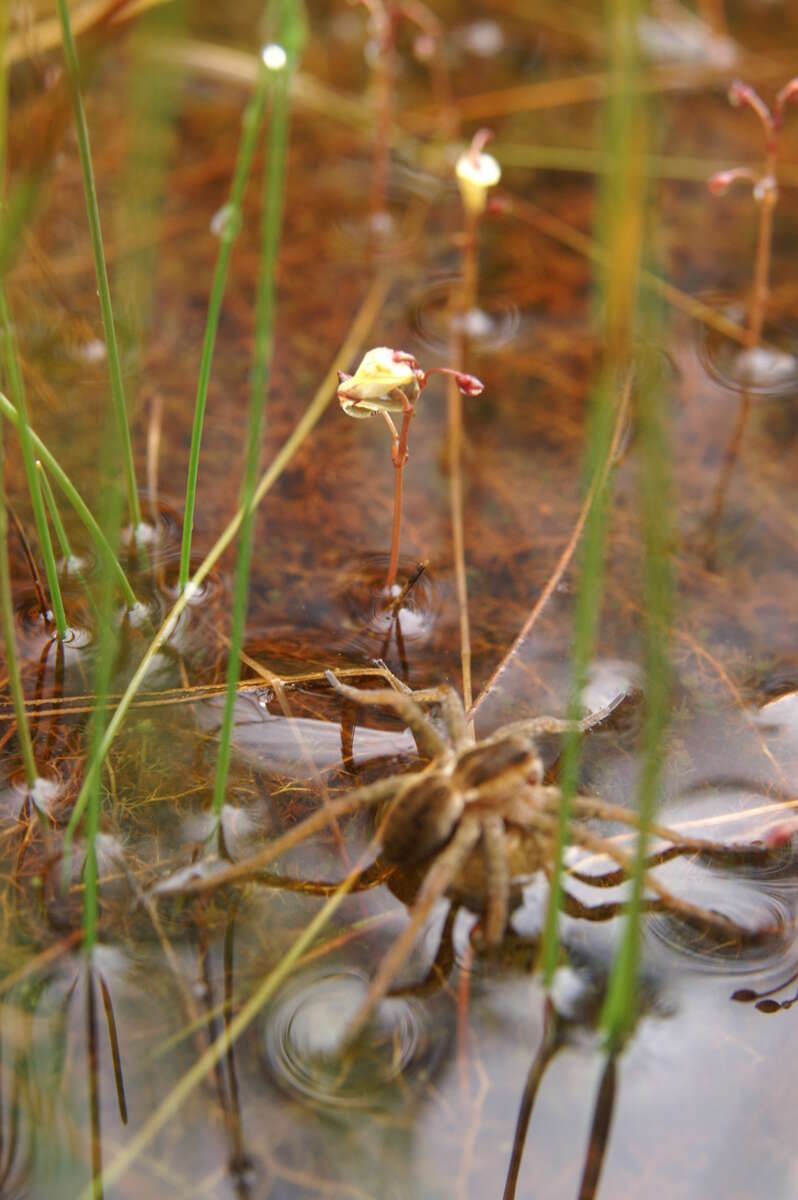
x=431, y=1105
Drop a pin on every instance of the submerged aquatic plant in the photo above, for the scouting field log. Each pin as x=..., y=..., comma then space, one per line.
x=765, y=187
x=390, y=381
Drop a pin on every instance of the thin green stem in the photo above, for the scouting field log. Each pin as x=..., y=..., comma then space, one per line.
x=229, y=224
x=620, y=1003
x=6, y=597
x=76, y=500
x=271, y=227
x=110, y=509
x=63, y=539
x=9, y=638
x=620, y=222
x=103, y=288
x=17, y=389
x=52, y=508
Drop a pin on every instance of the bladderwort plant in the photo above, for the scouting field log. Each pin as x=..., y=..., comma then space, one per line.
x=765, y=187
x=391, y=381
x=385, y=18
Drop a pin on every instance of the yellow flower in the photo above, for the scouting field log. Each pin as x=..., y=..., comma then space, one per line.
x=385, y=381
x=476, y=172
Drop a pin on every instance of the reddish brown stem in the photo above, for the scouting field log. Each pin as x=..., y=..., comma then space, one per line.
x=759, y=299
x=399, y=455
x=382, y=140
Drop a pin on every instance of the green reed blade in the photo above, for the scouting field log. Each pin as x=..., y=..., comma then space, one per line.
x=101, y=272
x=230, y=217
x=14, y=376
x=74, y=497
x=107, y=633
x=620, y=1003
x=55, y=516
x=619, y=227
x=271, y=226
x=6, y=597
x=61, y=534
x=9, y=637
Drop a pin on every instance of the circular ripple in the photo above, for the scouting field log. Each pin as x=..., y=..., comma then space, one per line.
x=301, y=1035
x=158, y=534
x=369, y=609
x=762, y=371
x=765, y=913
x=36, y=637
x=489, y=327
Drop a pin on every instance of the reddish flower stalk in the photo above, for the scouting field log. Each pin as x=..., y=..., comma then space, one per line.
x=390, y=381
x=765, y=190
x=385, y=16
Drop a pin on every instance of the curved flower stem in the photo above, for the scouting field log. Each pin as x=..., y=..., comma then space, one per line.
x=399, y=455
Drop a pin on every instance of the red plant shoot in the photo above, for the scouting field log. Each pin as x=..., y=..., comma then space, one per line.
x=765, y=188
x=385, y=17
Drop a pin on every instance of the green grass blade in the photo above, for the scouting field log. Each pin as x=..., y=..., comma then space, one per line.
x=17, y=389
x=6, y=597
x=619, y=1009
x=619, y=228
x=74, y=497
x=9, y=637
x=230, y=223
x=52, y=508
x=271, y=226
x=101, y=272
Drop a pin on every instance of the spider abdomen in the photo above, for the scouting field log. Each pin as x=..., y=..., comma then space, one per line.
x=421, y=819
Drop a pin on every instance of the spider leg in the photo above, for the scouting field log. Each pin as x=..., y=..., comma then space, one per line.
x=588, y=807
x=452, y=712
x=618, y=876
x=374, y=876
x=497, y=878
x=604, y=912
x=365, y=797
x=691, y=914
x=429, y=741
x=540, y=725
x=441, y=966
x=440, y=875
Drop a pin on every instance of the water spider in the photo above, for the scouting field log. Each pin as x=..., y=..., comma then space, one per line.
x=476, y=820
x=480, y=814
